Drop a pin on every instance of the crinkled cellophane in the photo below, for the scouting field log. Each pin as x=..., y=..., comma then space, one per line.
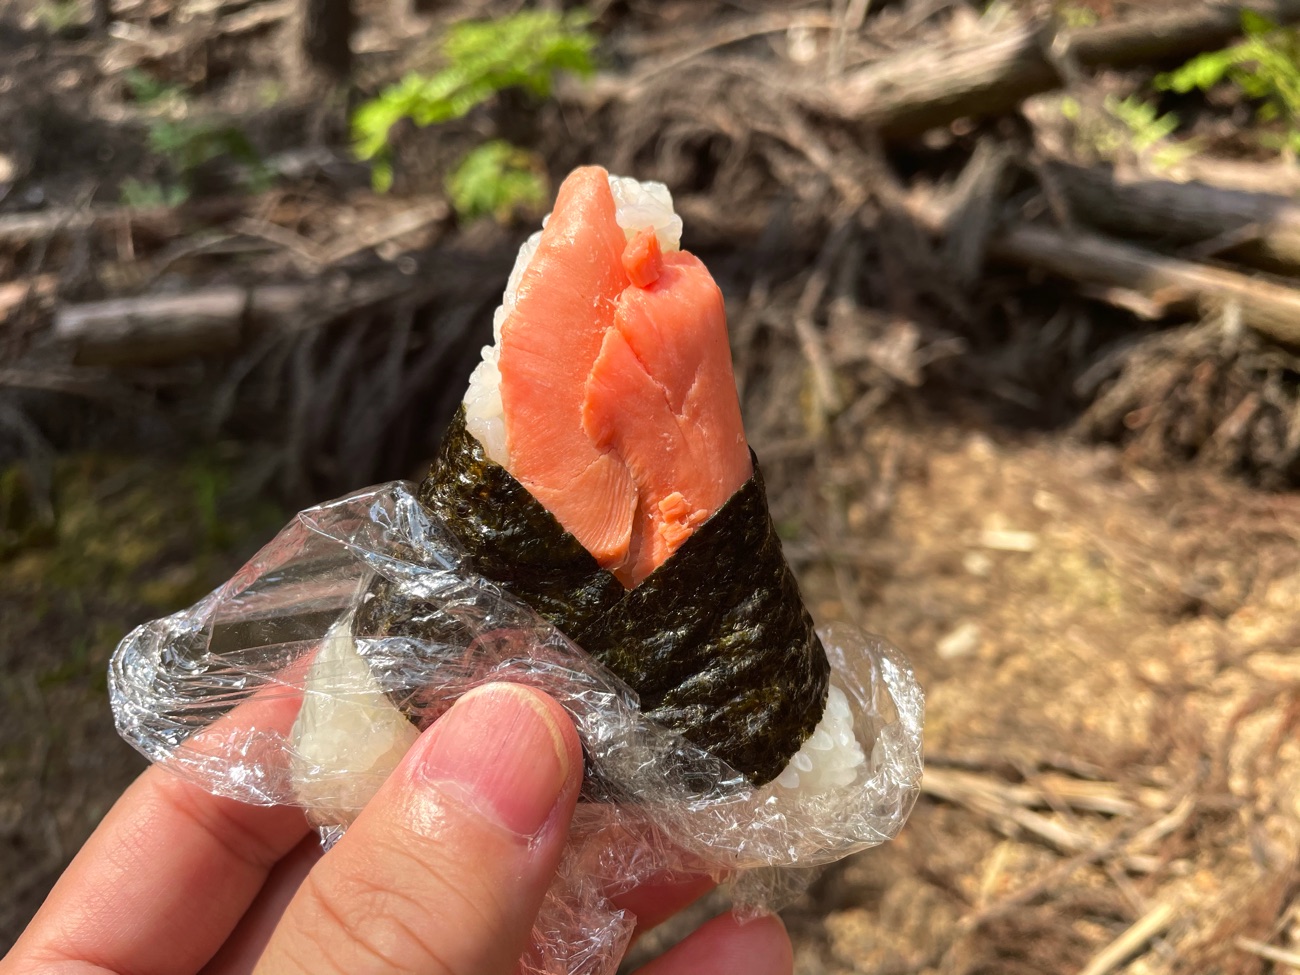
x=213, y=693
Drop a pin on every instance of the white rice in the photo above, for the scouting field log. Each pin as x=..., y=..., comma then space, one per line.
x=347, y=737
x=829, y=759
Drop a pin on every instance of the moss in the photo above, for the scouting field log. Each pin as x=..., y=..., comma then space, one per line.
x=24, y=521
x=125, y=539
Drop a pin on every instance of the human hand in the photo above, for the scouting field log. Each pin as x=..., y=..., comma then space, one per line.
x=443, y=873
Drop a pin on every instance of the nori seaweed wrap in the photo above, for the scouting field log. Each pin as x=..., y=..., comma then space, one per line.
x=716, y=641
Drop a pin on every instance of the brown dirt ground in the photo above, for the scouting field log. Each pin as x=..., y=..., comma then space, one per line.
x=1113, y=695
x=1109, y=658
x=1110, y=654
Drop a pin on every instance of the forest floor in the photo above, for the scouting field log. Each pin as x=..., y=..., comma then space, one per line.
x=1052, y=504
x=1108, y=655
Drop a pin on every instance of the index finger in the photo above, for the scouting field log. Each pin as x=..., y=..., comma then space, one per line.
x=169, y=872
x=162, y=881
x=660, y=898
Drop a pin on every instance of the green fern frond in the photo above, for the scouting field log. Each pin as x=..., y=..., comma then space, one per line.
x=1265, y=67
x=481, y=58
x=497, y=179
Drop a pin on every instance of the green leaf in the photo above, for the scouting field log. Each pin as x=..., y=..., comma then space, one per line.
x=145, y=89
x=1265, y=67
x=149, y=196
x=1076, y=17
x=1255, y=24
x=481, y=58
x=1202, y=72
x=381, y=175
x=497, y=179
x=1145, y=125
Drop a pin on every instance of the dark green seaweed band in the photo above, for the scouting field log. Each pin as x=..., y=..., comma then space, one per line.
x=716, y=642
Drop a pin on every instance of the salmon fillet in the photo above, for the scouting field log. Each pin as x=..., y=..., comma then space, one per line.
x=617, y=387
x=565, y=303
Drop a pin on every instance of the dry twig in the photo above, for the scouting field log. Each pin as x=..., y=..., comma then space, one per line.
x=1279, y=956
x=1152, y=924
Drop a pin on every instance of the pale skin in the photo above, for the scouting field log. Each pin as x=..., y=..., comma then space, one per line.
x=442, y=874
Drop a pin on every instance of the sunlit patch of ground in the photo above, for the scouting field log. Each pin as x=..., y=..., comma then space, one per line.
x=1113, y=699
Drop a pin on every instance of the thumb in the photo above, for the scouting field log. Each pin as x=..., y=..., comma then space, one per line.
x=444, y=871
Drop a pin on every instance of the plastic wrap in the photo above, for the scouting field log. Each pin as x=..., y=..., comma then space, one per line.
x=261, y=693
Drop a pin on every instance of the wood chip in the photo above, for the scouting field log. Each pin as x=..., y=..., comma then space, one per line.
x=1008, y=541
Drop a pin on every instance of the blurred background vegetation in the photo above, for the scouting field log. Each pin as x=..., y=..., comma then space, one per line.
x=1014, y=291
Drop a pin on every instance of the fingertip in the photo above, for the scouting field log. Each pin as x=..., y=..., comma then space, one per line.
x=558, y=721
x=770, y=938
x=764, y=941
x=729, y=946
x=493, y=706
x=511, y=751
x=447, y=866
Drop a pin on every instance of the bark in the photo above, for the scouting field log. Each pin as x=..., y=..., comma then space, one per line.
x=1264, y=226
x=915, y=90
x=18, y=229
x=101, y=15
x=1280, y=178
x=1267, y=305
x=148, y=329
x=154, y=328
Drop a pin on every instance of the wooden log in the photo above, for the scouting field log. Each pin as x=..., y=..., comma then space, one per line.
x=154, y=328
x=1266, y=224
x=909, y=92
x=149, y=329
x=1281, y=178
x=16, y=294
x=1266, y=304
x=17, y=229
x=21, y=228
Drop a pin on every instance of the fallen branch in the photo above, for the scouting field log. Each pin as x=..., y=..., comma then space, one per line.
x=680, y=51
x=919, y=89
x=1265, y=225
x=1007, y=805
x=1266, y=305
x=1279, y=956
x=254, y=18
x=23, y=228
x=148, y=329
x=1080, y=794
x=155, y=328
x=416, y=218
x=20, y=228
x=77, y=383
x=1280, y=178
